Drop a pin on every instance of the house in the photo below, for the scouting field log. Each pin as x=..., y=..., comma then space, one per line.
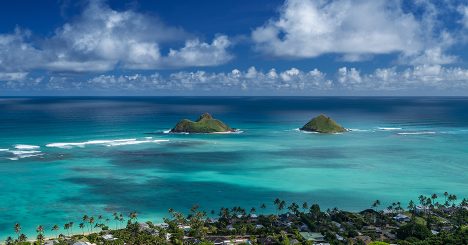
x=109, y=237
x=401, y=218
x=230, y=228
x=259, y=226
x=51, y=242
x=315, y=237
x=236, y=241
x=83, y=243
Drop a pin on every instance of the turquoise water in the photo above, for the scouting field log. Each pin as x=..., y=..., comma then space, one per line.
x=61, y=158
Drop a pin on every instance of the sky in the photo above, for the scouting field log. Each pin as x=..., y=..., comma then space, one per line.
x=227, y=47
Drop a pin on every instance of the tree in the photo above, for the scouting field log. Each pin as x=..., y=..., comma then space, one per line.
x=305, y=206
x=40, y=233
x=413, y=229
x=22, y=238
x=17, y=229
x=263, y=207
x=82, y=226
x=434, y=197
x=412, y=207
x=294, y=208
x=91, y=222
x=66, y=227
x=55, y=228
x=40, y=238
x=375, y=204
x=9, y=241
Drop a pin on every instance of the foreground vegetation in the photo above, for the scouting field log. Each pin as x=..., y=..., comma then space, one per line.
x=427, y=222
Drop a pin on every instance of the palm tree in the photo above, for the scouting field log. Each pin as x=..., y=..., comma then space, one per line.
x=433, y=197
x=376, y=204
x=40, y=238
x=70, y=224
x=22, y=238
x=294, y=208
x=305, y=206
x=91, y=222
x=66, y=227
x=277, y=203
x=82, y=226
x=40, y=231
x=281, y=205
x=55, y=228
x=9, y=241
x=412, y=207
x=134, y=215
x=446, y=195
x=452, y=198
x=116, y=218
x=263, y=207
x=85, y=219
x=253, y=210
x=17, y=229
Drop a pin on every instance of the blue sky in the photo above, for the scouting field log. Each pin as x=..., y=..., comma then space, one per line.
x=263, y=47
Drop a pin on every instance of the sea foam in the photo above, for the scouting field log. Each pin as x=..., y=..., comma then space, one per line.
x=117, y=142
x=27, y=147
x=388, y=128
x=417, y=133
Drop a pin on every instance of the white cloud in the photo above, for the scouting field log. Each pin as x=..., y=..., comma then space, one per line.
x=12, y=76
x=103, y=39
x=463, y=10
x=200, y=53
x=346, y=80
x=307, y=28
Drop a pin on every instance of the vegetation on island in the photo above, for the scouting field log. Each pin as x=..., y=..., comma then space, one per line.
x=205, y=124
x=429, y=222
x=323, y=124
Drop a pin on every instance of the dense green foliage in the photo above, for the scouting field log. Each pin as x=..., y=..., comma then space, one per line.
x=436, y=224
x=323, y=124
x=205, y=124
x=413, y=229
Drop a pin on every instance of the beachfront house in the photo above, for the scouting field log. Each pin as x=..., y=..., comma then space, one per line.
x=401, y=218
x=315, y=237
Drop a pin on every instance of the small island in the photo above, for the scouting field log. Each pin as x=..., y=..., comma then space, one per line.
x=323, y=124
x=205, y=124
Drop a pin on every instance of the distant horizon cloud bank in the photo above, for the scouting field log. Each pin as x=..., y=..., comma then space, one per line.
x=420, y=44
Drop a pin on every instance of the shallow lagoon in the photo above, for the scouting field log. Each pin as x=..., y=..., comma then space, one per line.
x=120, y=158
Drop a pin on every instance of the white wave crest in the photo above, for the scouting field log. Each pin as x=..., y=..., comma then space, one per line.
x=27, y=147
x=417, y=133
x=359, y=130
x=24, y=154
x=4, y=149
x=118, y=142
x=388, y=128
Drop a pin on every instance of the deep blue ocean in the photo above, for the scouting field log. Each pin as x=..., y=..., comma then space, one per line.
x=61, y=158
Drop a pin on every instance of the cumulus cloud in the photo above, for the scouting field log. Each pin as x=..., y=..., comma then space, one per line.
x=357, y=31
x=346, y=80
x=103, y=39
x=307, y=28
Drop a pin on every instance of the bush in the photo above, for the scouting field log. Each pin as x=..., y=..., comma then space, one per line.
x=413, y=230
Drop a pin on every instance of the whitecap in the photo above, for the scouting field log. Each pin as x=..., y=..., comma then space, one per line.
x=167, y=131
x=417, y=133
x=4, y=149
x=25, y=154
x=388, y=128
x=26, y=147
x=117, y=142
x=358, y=130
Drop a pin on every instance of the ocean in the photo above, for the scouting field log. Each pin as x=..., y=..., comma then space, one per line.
x=63, y=157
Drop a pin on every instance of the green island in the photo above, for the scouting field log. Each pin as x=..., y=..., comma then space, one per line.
x=323, y=124
x=205, y=124
x=428, y=222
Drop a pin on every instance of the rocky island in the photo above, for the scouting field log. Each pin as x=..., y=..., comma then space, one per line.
x=205, y=124
x=323, y=124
